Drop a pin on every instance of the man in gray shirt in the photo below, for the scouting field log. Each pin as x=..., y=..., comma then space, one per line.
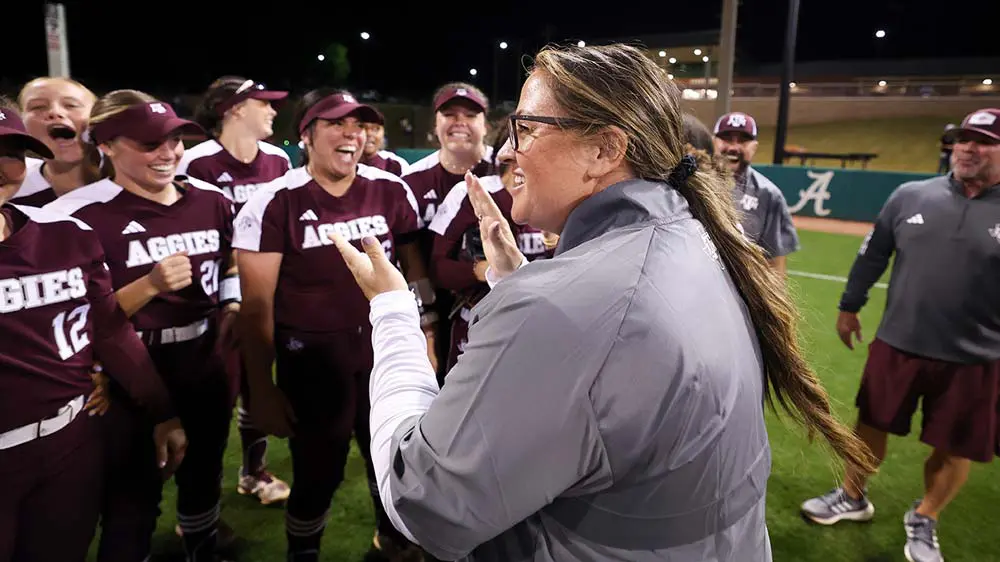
x=939, y=338
x=765, y=216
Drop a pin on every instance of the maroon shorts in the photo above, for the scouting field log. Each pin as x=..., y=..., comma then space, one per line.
x=960, y=401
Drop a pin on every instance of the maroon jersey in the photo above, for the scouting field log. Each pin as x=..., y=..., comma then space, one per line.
x=430, y=182
x=316, y=292
x=211, y=163
x=35, y=190
x=137, y=233
x=388, y=161
x=57, y=312
x=451, y=261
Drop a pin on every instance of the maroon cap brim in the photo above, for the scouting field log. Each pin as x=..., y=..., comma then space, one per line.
x=269, y=95
x=26, y=141
x=157, y=130
x=365, y=113
x=470, y=100
x=959, y=130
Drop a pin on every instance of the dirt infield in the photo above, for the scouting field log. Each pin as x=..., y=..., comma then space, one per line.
x=833, y=226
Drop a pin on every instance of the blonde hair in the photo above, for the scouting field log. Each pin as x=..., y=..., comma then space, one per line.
x=619, y=86
x=36, y=81
x=108, y=105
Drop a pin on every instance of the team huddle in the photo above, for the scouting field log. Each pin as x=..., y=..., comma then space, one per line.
x=148, y=289
x=156, y=287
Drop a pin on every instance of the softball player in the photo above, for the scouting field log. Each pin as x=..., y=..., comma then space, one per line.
x=239, y=114
x=303, y=309
x=55, y=110
x=460, y=126
x=168, y=243
x=58, y=313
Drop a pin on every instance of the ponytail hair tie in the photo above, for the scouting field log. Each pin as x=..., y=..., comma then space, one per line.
x=683, y=170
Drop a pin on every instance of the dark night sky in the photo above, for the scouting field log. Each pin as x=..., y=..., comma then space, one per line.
x=181, y=46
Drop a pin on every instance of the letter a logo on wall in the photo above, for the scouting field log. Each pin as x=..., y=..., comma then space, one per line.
x=818, y=192
x=157, y=108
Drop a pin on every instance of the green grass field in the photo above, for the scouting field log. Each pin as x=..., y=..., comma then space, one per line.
x=800, y=469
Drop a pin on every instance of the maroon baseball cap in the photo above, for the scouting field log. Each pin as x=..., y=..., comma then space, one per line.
x=251, y=90
x=145, y=122
x=12, y=129
x=460, y=92
x=983, y=121
x=338, y=106
x=736, y=122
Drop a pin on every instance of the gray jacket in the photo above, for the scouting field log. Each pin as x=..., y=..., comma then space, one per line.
x=608, y=406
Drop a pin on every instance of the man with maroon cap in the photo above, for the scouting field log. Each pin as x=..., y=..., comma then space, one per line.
x=58, y=313
x=460, y=126
x=939, y=339
x=766, y=219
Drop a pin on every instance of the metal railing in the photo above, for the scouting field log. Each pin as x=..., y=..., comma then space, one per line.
x=695, y=88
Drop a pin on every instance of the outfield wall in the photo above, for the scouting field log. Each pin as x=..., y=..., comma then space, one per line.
x=836, y=193
x=831, y=193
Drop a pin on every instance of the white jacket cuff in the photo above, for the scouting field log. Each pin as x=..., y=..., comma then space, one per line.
x=402, y=385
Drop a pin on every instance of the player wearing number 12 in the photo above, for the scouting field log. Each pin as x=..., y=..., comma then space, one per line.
x=57, y=312
x=167, y=241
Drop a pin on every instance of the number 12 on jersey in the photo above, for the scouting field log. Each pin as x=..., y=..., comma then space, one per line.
x=72, y=340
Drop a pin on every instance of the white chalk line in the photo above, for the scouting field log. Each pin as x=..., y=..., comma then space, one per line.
x=825, y=277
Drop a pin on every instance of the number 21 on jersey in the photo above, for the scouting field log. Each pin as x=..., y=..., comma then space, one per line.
x=210, y=276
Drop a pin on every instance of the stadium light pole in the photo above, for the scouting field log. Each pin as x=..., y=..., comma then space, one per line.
x=57, y=45
x=726, y=56
x=786, y=79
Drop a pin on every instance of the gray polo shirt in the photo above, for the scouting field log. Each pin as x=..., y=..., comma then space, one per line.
x=764, y=213
x=608, y=406
x=944, y=291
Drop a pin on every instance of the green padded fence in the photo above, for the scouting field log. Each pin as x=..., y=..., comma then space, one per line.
x=836, y=193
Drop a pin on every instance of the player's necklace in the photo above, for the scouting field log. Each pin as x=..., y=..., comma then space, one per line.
x=455, y=167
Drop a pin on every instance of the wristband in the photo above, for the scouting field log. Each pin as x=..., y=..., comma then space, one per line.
x=423, y=291
x=229, y=290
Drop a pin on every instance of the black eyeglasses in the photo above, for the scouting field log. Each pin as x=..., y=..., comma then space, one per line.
x=557, y=121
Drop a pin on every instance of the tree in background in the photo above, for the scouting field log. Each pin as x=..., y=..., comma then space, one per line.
x=336, y=64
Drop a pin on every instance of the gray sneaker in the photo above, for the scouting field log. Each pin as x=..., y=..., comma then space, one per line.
x=836, y=505
x=921, y=537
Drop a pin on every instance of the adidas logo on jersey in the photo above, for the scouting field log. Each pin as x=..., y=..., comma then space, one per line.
x=224, y=177
x=133, y=228
x=309, y=216
x=916, y=219
x=432, y=194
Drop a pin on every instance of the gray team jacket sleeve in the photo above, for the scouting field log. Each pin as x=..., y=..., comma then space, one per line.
x=873, y=257
x=512, y=428
x=778, y=236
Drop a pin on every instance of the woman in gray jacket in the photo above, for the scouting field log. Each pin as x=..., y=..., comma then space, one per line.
x=609, y=403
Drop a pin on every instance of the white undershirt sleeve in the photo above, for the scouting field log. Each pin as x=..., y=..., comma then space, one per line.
x=402, y=385
x=491, y=277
